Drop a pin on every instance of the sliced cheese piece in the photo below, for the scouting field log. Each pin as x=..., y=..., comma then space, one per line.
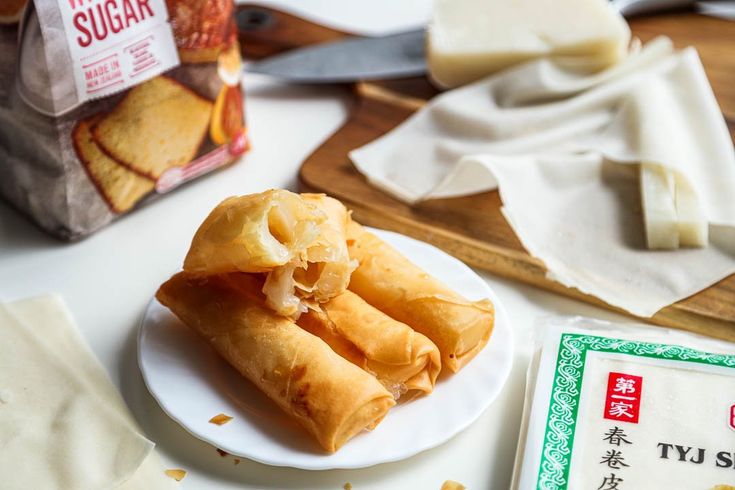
x=659, y=210
x=693, y=226
x=469, y=39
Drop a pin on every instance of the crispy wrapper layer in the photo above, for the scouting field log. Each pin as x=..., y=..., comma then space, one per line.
x=120, y=187
x=253, y=233
x=402, y=359
x=158, y=125
x=391, y=283
x=322, y=272
x=330, y=397
x=329, y=263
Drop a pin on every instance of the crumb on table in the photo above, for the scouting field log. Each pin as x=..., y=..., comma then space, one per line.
x=452, y=485
x=220, y=419
x=176, y=474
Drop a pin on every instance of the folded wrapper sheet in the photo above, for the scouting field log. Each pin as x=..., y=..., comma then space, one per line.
x=402, y=359
x=394, y=285
x=330, y=397
x=63, y=423
x=545, y=136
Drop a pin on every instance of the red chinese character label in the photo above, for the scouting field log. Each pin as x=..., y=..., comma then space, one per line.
x=732, y=417
x=623, y=400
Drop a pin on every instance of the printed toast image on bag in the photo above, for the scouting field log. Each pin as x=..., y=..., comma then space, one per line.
x=159, y=124
x=106, y=104
x=120, y=186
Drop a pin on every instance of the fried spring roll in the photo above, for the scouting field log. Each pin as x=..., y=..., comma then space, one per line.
x=402, y=359
x=319, y=274
x=330, y=397
x=254, y=233
x=391, y=283
x=329, y=264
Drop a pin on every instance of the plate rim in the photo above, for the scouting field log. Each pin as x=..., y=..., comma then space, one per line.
x=500, y=312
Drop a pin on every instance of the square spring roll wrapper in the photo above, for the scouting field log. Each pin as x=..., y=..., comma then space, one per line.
x=329, y=396
x=394, y=285
x=253, y=233
x=402, y=359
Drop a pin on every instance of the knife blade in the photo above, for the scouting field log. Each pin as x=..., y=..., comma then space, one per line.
x=399, y=55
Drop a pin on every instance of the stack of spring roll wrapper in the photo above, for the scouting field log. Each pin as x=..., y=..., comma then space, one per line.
x=325, y=318
x=62, y=422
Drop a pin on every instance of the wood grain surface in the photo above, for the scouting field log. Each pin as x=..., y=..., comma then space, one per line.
x=472, y=228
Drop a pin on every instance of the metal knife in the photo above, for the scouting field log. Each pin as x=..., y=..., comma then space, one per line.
x=380, y=58
x=360, y=58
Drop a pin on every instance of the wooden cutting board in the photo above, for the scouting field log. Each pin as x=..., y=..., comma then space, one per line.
x=472, y=228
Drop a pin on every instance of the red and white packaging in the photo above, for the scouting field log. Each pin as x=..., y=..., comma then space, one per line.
x=106, y=104
x=115, y=44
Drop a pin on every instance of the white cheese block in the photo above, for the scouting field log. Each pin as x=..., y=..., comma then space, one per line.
x=659, y=209
x=693, y=226
x=470, y=39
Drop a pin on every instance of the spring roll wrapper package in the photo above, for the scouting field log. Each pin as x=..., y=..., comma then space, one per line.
x=63, y=424
x=557, y=144
x=93, y=123
x=626, y=406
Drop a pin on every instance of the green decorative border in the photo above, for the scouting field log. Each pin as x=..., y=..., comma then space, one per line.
x=567, y=387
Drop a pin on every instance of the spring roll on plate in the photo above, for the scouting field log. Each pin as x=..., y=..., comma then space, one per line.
x=254, y=233
x=330, y=397
x=298, y=240
x=321, y=272
x=391, y=283
x=402, y=359
x=329, y=265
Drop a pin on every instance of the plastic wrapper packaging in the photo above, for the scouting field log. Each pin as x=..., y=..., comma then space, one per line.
x=626, y=406
x=106, y=105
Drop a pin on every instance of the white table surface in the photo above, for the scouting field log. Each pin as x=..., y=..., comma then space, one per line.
x=108, y=279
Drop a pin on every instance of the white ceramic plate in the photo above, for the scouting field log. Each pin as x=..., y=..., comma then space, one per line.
x=192, y=384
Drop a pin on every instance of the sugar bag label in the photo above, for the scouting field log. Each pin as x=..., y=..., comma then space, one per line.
x=116, y=44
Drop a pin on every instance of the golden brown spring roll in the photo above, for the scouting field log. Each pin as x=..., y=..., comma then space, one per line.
x=391, y=283
x=402, y=359
x=329, y=263
x=332, y=398
x=254, y=233
x=322, y=272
